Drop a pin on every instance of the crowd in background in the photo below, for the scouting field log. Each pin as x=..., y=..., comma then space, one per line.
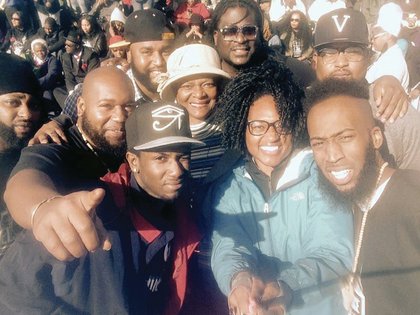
x=38, y=30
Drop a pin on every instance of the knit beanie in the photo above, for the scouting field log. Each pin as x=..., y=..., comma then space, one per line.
x=117, y=15
x=16, y=75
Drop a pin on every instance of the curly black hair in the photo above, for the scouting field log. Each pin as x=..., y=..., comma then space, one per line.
x=269, y=78
x=331, y=87
x=304, y=33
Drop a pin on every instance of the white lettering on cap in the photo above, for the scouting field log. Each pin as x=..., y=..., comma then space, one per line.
x=165, y=113
x=340, y=27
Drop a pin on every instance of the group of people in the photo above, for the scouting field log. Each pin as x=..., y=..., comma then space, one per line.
x=222, y=179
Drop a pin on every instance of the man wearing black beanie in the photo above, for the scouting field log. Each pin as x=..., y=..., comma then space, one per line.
x=20, y=116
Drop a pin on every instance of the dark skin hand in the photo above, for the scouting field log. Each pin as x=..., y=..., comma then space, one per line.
x=251, y=295
x=390, y=98
x=68, y=227
x=50, y=132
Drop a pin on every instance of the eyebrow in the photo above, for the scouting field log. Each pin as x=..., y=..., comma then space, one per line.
x=333, y=135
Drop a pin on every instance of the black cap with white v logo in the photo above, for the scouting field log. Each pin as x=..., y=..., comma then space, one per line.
x=157, y=125
x=341, y=26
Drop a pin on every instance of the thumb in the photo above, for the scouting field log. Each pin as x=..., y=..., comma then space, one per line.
x=92, y=199
x=257, y=291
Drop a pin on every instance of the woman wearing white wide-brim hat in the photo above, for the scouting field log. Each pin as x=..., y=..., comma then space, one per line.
x=194, y=80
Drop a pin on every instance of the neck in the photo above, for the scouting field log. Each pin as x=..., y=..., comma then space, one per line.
x=85, y=137
x=385, y=175
x=150, y=93
x=229, y=68
x=3, y=145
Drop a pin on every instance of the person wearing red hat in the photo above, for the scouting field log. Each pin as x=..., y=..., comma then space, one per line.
x=186, y=9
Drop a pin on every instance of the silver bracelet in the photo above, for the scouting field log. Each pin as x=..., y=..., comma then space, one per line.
x=35, y=209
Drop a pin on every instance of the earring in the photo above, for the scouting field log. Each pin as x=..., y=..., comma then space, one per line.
x=135, y=170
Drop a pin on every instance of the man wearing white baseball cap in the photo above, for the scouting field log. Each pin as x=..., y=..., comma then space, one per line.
x=391, y=60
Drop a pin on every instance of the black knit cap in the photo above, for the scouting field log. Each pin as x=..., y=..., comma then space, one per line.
x=16, y=75
x=147, y=25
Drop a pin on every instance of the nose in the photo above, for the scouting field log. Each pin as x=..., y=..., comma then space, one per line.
x=341, y=60
x=176, y=169
x=334, y=152
x=119, y=114
x=198, y=91
x=272, y=134
x=240, y=38
x=158, y=59
x=25, y=111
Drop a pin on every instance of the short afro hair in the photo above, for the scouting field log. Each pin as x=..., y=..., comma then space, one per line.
x=331, y=87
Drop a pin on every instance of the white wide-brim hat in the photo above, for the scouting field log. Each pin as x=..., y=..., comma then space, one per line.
x=190, y=61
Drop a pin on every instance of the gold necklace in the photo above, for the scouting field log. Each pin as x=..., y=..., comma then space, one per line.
x=92, y=149
x=363, y=225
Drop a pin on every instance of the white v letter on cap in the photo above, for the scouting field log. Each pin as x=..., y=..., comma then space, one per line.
x=340, y=27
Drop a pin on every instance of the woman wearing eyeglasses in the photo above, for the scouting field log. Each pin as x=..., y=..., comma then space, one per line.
x=297, y=39
x=278, y=244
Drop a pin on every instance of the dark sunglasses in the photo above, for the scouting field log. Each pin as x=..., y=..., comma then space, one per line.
x=231, y=32
x=295, y=20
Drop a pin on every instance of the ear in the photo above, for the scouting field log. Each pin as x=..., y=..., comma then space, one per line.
x=129, y=56
x=81, y=106
x=314, y=62
x=377, y=137
x=133, y=161
x=215, y=37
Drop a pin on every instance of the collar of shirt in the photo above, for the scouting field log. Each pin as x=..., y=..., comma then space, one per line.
x=138, y=95
x=78, y=56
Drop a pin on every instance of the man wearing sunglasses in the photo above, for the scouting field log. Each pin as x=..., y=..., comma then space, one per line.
x=237, y=28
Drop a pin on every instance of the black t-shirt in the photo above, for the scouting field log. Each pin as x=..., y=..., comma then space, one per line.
x=8, y=228
x=70, y=166
x=155, y=260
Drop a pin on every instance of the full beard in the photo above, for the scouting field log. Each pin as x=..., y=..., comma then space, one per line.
x=11, y=140
x=149, y=82
x=104, y=148
x=366, y=183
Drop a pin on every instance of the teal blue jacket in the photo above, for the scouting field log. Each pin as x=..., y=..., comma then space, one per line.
x=298, y=236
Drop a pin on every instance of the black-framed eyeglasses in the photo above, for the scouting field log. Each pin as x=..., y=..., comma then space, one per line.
x=260, y=127
x=230, y=33
x=330, y=55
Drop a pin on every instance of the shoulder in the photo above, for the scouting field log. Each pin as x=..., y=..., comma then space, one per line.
x=409, y=178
